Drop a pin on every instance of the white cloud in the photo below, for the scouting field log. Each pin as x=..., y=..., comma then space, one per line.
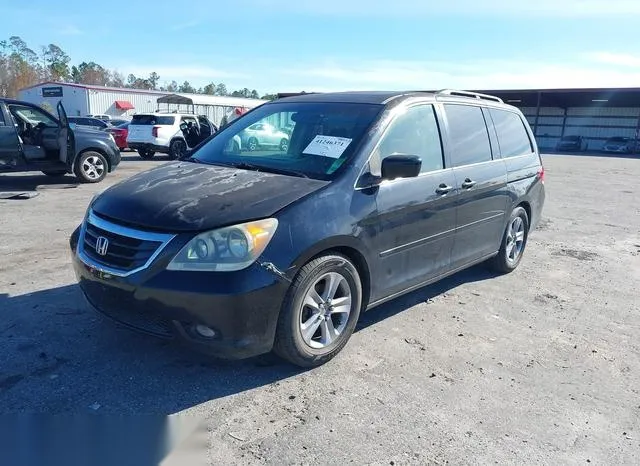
x=404, y=8
x=508, y=74
x=617, y=59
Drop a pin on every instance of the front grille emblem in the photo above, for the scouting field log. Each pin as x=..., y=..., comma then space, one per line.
x=102, y=245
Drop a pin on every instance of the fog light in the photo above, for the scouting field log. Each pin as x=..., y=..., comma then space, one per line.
x=205, y=331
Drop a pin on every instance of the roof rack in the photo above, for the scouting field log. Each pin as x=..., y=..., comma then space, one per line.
x=282, y=95
x=476, y=95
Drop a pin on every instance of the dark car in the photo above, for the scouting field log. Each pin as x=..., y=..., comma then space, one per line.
x=377, y=194
x=620, y=145
x=572, y=143
x=89, y=122
x=32, y=139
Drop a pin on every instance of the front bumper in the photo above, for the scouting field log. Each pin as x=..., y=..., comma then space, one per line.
x=241, y=307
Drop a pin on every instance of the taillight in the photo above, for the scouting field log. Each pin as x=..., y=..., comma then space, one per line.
x=154, y=131
x=541, y=174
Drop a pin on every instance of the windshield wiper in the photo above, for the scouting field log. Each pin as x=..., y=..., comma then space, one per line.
x=281, y=171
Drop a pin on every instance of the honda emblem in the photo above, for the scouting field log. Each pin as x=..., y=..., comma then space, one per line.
x=102, y=245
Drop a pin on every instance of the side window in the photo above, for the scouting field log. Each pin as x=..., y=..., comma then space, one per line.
x=468, y=134
x=414, y=132
x=512, y=135
x=1, y=117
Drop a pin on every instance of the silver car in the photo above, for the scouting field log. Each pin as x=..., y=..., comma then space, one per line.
x=263, y=136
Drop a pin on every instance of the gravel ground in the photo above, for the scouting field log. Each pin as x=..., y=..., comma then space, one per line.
x=542, y=365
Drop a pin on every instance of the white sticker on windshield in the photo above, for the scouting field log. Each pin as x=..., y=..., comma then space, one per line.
x=327, y=146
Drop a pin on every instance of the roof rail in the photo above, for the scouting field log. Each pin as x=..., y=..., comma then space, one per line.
x=282, y=95
x=476, y=95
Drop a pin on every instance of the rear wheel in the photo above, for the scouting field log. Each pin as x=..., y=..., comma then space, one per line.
x=320, y=311
x=513, y=244
x=55, y=173
x=177, y=149
x=146, y=154
x=90, y=167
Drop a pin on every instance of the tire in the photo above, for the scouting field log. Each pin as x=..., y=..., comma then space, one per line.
x=55, y=173
x=177, y=149
x=252, y=144
x=146, y=154
x=284, y=145
x=509, y=258
x=90, y=167
x=315, y=350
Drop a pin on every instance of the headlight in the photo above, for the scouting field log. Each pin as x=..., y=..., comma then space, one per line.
x=226, y=249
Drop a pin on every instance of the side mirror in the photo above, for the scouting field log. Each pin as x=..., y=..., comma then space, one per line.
x=401, y=166
x=183, y=126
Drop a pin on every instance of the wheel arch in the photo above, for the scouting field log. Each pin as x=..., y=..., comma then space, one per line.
x=349, y=247
x=94, y=149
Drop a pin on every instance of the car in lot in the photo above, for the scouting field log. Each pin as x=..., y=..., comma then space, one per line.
x=120, y=134
x=32, y=139
x=239, y=253
x=572, y=143
x=264, y=136
x=621, y=145
x=89, y=122
x=149, y=133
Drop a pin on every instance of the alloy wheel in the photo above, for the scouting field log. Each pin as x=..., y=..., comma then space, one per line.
x=325, y=310
x=515, y=239
x=93, y=167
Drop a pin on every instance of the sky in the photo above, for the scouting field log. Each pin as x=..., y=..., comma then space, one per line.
x=325, y=45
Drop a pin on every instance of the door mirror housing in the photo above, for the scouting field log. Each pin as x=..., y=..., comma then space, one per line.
x=401, y=166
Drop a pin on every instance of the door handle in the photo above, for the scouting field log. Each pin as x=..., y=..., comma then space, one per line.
x=444, y=189
x=467, y=184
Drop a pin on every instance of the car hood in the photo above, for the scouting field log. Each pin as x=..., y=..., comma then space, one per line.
x=186, y=196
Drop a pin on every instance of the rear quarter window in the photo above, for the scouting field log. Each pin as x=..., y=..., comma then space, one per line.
x=512, y=134
x=149, y=120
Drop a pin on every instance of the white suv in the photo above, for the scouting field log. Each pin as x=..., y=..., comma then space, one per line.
x=149, y=133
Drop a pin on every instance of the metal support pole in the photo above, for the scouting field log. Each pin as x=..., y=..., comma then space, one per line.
x=564, y=121
x=535, y=124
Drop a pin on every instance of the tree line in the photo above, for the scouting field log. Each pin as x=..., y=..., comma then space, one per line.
x=22, y=66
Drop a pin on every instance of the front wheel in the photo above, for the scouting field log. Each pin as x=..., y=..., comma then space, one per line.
x=90, y=167
x=320, y=311
x=252, y=144
x=284, y=145
x=514, y=241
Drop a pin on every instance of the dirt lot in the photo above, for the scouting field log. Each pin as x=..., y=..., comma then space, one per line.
x=542, y=365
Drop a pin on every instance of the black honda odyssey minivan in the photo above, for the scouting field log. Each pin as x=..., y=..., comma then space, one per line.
x=243, y=249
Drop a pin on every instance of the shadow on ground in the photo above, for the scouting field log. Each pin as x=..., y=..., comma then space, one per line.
x=62, y=356
x=36, y=183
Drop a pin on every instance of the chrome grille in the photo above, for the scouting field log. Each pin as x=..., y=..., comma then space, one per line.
x=129, y=250
x=123, y=252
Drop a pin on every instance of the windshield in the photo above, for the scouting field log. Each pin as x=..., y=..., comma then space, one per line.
x=312, y=139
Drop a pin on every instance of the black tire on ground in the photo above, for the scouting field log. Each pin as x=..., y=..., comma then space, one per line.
x=289, y=343
x=90, y=167
x=252, y=144
x=55, y=173
x=505, y=262
x=177, y=149
x=146, y=154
